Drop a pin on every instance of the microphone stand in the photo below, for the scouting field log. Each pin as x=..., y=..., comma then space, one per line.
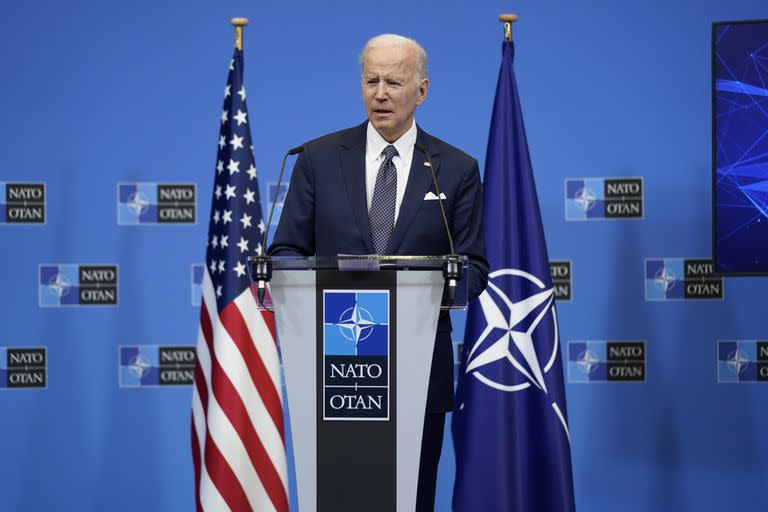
x=261, y=264
x=451, y=262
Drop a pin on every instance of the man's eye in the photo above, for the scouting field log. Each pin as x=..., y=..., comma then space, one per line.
x=372, y=82
x=394, y=84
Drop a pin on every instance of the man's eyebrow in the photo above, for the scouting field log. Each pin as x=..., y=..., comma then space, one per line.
x=388, y=78
x=397, y=78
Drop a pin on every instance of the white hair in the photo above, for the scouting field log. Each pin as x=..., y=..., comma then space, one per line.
x=393, y=41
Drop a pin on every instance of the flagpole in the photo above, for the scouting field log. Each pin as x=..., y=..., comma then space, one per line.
x=239, y=23
x=508, y=20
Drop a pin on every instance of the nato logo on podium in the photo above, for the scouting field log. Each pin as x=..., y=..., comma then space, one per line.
x=356, y=355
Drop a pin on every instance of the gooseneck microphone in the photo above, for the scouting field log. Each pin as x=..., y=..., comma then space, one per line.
x=451, y=266
x=261, y=264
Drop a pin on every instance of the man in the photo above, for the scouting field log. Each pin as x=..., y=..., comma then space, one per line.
x=362, y=191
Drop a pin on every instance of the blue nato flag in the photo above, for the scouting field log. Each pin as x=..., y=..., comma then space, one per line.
x=510, y=426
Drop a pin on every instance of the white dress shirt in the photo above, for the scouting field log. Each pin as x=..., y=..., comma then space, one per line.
x=374, y=145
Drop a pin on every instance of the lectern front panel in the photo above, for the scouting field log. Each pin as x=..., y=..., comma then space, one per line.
x=356, y=382
x=356, y=349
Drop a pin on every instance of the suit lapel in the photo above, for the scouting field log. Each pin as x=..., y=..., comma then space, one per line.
x=353, y=170
x=419, y=184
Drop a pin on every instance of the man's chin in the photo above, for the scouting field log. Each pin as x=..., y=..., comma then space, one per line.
x=386, y=128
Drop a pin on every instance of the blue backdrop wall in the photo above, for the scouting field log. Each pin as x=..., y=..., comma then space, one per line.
x=93, y=95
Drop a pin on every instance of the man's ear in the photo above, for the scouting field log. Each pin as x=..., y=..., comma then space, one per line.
x=423, y=87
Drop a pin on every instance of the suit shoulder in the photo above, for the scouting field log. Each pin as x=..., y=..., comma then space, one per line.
x=333, y=140
x=451, y=153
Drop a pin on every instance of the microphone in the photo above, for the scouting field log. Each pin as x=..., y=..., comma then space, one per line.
x=451, y=266
x=261, y=264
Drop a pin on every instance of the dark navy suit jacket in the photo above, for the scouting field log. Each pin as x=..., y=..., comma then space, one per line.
x=326, y=214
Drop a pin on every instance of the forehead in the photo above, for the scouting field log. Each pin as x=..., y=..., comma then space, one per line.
x=396, y=60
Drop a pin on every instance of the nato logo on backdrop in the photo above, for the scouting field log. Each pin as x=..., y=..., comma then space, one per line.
x=23, y=367
x=356, y=355
x=154, y=365
x=562, y=281
x=681, y=279
x=606, y=361
x=62, y=285
x=458, y=346
x=22, y=203
x=742, y=361
x=275, y=195
x=144, y=203
x=603, y=198
x=197, y=283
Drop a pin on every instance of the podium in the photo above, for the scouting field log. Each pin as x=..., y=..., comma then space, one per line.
x=356, y=337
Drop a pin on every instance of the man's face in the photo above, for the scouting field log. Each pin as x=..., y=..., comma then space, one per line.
x=391, y=90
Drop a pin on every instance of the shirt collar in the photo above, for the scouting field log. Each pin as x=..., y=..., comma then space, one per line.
x=375, y=143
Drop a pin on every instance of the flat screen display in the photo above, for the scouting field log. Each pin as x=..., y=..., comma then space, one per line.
x=740, y=147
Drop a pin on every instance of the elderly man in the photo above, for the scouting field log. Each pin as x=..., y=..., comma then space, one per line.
x=365, y=190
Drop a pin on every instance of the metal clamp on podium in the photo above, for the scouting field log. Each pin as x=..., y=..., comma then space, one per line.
x=260, y=269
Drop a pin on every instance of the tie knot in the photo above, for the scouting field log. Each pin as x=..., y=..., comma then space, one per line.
x=389, y=152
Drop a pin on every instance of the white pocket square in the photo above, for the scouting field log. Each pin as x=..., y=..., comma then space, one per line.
x=432, y=197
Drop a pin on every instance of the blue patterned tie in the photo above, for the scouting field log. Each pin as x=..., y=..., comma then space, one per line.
x=382, y=214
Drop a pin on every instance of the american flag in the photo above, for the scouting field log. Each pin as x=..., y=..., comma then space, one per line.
x=238, y=442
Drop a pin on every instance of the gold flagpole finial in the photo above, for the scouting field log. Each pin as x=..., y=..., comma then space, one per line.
x=239, y=23
x=508, y=20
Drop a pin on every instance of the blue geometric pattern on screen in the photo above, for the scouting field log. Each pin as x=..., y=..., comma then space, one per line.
x=584, y=198
x=741, y=158
x=587, y=361
x=664, y=279
x=59, y=285
x=737, y=361
x=139, y=366
x=3, y=367
x=137, y=203
x=356, y=323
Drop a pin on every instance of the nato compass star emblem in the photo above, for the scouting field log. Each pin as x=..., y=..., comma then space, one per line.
x=587, y=361
x=585, y=198
x=137, y=203
x=139, y=366
x=505, y=328
x=515, y=324
x=737, y=362
x=356, y=324
x=59, y=285
x=665, y=279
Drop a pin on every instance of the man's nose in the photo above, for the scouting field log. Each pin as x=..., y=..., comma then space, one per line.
x=381, y=91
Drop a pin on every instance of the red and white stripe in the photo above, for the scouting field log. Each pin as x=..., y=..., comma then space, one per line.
x=238, y=441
